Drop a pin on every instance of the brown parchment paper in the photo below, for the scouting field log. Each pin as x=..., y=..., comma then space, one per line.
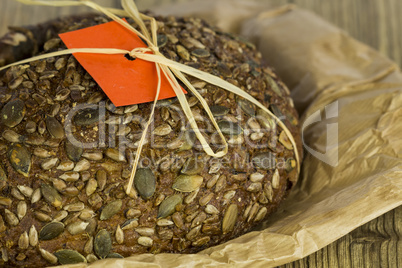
x=361, y=93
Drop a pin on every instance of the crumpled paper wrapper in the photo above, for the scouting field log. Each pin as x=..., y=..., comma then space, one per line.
x=352, y=169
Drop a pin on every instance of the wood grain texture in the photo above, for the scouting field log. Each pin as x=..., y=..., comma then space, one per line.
x=377, y=23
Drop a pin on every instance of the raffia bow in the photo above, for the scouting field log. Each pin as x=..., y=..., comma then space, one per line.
x=169, y=68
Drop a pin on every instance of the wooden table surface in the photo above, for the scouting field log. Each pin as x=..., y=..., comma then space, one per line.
x=377, y=23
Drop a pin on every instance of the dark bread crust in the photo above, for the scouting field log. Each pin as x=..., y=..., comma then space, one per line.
x=254, y=198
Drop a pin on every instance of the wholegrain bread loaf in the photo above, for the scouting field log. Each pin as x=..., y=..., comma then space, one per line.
x=66, y=152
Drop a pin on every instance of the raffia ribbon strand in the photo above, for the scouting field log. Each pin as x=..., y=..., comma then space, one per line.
x=169, y=68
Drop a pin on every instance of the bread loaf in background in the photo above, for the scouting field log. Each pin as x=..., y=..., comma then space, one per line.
x=62, y=202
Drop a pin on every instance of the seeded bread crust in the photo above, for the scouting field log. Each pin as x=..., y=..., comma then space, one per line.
x=183, y=201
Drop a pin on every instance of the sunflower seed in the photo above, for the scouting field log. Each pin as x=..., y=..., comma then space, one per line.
x=102, y=243
x=210, y=209
x=275, y=179
x=129, y=224
x=220, y=184
x=20, y=159
x=110, y=209
x=42, y=153
x=43, y=217
x=77, y=227
x=214, y=168
x=12, y=136
x=164, y=222
x=48, y=256
x=68, y=256
x=178, y=220
x=253, y=211
x=115, y=155
x=145, y=241
x=13, y=112
x=70, y=176
x=91, y=258
x=25, y=190
x=199, y=219
x=23, y=241
x=212, y=181
x=33, y=236
x=49, y=164
x=162, y=130
x=89, y=245
x=82, y=165
x=51, y=230
x=283, y=138
x=187, y=183
x=95, y=156
x=10, y=217
x=256, y=177
x=230, y=218
x=62, y=94
x=21, y=209
x=193, y=233
x=205, y=199
x=265, y=160
x=41, y=127
x=5, y=201
x=192, y=166
x=119, y=235
x=201, y=242
x=168, y=206
x=61, y=215
x=255, y=187
x=145, y=182
x=66, y=165
x=74, y=207
x=183, y=53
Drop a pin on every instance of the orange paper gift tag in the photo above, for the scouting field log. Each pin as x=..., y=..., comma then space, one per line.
x=124, y=81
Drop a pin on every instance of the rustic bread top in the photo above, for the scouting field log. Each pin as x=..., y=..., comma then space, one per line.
x=66, y=153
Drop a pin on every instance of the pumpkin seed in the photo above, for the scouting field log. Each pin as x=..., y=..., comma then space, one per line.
x=200, y=53
x=54, y=127
x=51, y=195
x=187, y=183
x=110, y=209
x=230, y=128
x=246, y=106
x=102, y=243
x=86, y=117
x=145, y=182
x=289, y=165
x=218, y=110
x=20, y=159
x=51, y=230
x=168, y=206
x=73, y=152
x=68, y=256
x=230, y=218
x=162, y=40
x=13, y=113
